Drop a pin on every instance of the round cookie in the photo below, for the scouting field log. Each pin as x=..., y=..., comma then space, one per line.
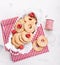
x=27, y=37
x=18, y=27
x=42, y=41
x=16, y=41
x=21, y=39
x=36, y=47
x=29, y=27
x=17, y=38
x=27, y=18
x=32, y=15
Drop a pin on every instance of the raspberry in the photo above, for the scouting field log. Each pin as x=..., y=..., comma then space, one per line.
x=28, y=35
x=32, y=14
x=21, y=47
x=19, y=26
x=14, y=31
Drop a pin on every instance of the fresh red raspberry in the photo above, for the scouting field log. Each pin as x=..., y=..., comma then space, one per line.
x=14, y=31
x=19, y=26
x=31, y=14
x=28, y=35
x=21, y=47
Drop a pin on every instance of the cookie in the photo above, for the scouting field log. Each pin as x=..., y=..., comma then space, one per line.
x=29, y=19
x=21, y=39
x=16, y=40
x=29, y=27
x=27, y=37
x=36, y=47
x=42, y=41
x=32, y=15
x=19, y=27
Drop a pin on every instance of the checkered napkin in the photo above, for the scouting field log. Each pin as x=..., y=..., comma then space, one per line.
x=7, y=26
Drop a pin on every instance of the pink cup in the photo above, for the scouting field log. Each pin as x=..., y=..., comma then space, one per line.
x=49, y=24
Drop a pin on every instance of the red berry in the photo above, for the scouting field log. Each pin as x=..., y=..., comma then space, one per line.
x=32, y=14
x=19, y=26
x=21, y=47
x=28, y=35
x=14, y=31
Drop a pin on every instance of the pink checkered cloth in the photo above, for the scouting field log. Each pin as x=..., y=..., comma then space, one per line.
x=7, y=26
